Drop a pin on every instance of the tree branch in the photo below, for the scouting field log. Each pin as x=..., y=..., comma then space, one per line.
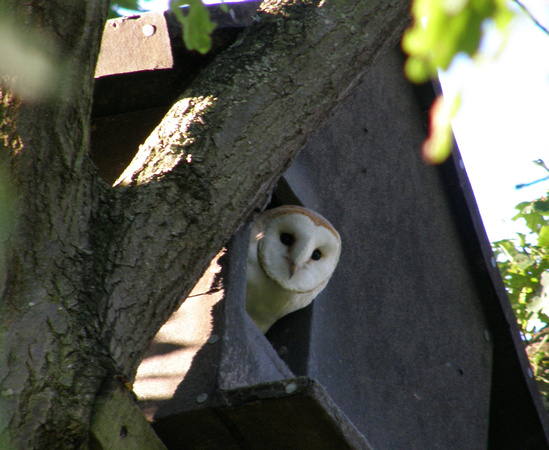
x=92, y=272
x=223, y=145
x=532, y=17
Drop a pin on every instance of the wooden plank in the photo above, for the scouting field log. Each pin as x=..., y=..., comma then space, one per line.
x=119, y=424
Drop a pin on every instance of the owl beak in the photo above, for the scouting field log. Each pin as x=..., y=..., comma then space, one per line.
x=293, y=267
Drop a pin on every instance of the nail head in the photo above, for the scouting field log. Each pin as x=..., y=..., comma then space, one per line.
x=291, y=388
x=149, y=30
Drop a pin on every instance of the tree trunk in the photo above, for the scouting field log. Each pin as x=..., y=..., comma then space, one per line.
x=90, y=272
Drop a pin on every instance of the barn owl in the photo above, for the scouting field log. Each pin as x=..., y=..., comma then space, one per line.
x=292, y=254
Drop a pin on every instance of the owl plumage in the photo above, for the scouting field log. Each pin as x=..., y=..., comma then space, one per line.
x=292, y=254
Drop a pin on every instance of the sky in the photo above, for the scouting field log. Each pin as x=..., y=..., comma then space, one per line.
x=503, y=122
x=502, y=125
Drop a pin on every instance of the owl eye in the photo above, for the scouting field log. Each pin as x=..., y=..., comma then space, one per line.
x=317, y=254
x=287, y=239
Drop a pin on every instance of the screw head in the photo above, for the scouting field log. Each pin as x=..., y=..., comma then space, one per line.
x=291, y=388
x=202, y=398
x=148, y=30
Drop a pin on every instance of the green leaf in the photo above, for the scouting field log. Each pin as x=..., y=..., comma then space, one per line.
x=224, y=6
x=444, y=28
x=524, y=266
x=197, y=26
x=541, y=206
x=440, y=142
x=533, y=218
x=543, y=239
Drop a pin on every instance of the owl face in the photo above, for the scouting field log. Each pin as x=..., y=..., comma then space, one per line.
x=298, y=250
x=292, y=254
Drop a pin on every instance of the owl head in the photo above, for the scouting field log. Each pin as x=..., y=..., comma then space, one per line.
x=292, y=254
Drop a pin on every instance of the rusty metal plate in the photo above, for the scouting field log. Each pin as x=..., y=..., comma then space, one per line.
x=134, y=44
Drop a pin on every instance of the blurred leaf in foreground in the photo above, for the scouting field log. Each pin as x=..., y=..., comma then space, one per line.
x=438, y=146
x=28, y=64
x=197, y=26
x=444, y=28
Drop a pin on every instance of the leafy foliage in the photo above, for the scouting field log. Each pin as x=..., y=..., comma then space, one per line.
x=441, y=30
x=444, y=28
x=524, y=266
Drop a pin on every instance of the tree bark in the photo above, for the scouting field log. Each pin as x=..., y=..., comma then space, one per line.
x=51, y=364
x=91, y=272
